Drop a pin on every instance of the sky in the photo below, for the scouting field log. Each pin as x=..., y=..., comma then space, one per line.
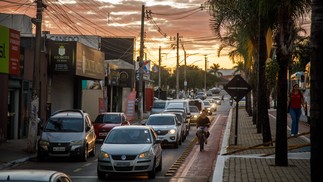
x=164, y=20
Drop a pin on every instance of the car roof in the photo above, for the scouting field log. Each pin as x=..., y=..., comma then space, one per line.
x=131, y=127
x=162, y=114
x=28, y=175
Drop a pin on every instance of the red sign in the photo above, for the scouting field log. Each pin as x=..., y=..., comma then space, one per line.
x=131, y=102
x=102, y=105
x=14, y=52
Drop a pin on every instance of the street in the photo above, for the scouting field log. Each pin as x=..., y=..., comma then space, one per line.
x=86, y=171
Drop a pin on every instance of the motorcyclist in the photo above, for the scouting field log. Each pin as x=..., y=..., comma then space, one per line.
x=203, y=123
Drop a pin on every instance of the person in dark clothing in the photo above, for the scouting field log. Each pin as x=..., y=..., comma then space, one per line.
x=203, y=123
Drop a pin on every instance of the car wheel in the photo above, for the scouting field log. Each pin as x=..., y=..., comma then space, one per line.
x=180, y=140
x=84, y=154
x=101, y=175
x=176, y=144
x=152, y=173
x=93, y=152
x=159, y=167
x=40, y=156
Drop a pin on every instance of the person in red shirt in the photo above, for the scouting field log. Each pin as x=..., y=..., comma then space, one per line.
x=296, y=101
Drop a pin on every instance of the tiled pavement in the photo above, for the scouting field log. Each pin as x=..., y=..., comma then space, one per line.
x=251, y=165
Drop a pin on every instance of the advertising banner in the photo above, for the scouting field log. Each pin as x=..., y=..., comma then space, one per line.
x=9, y=51
x=131, y=102
x=62, y=57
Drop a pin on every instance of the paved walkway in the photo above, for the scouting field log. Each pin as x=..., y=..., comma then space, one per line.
x=258, y=164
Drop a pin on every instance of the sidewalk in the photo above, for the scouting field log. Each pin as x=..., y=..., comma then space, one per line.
x=252, y=165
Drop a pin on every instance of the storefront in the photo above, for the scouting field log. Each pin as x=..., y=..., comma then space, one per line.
x=70, y=64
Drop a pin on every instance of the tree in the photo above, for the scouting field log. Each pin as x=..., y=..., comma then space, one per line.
x=215, y=70
x=235, y=24
x=316, y=91
x=286, y=14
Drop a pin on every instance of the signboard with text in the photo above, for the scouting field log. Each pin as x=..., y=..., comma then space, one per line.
x=237, y=88
x=130, y=107
x=9, y=51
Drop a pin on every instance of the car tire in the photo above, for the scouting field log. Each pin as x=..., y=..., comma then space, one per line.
x=152, y=173
x=176, y=144
x=84, y=154
x=101, y=175
x=40, y=156
x=159, y=167
x=93, y=152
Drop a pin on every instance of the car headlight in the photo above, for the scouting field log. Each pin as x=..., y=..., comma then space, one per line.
x=208, y=108
x=43, y=143
x=172, y=131
x=195, y=116
x=77, y=142
x=103, y=155
x=145, y=155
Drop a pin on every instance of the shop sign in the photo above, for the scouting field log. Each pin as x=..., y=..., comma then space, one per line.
x=62, y=56
x=9, y=51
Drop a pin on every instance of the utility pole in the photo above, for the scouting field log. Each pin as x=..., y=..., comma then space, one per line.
x=33, y=120
x=141, y=55
x=159, y=73
x=185, y=81
x=177, y=66
x=205, y=73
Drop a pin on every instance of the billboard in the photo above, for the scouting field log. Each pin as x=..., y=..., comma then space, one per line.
x=77, y=59
x=9, y=51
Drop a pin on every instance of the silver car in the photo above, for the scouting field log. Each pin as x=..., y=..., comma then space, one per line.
x=130, y=149
x=29, y=175
x=67, y=133
x=167, y=127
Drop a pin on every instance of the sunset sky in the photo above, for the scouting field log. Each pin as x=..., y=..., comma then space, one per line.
x=123, y=18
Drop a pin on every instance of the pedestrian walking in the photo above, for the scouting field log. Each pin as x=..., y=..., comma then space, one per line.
x=296, y=101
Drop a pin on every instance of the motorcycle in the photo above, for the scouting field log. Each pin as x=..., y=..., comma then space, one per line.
x=202, y=136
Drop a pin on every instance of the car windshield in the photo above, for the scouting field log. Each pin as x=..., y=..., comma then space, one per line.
x=128, y=136
x=64, y=125
x=108, y=118
x=159, y=105
x=165, y=120
x=194, y=109
x=206, y=103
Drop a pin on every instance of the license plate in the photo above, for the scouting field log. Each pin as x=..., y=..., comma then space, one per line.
x=58, y=149
x=160, y=138
x=103, y=134
x=123, y=164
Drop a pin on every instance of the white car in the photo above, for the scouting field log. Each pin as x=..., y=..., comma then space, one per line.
x=130, y=149
x=167, y=127
x=33, y=175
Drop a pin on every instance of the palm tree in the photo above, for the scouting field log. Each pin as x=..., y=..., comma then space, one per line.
x=239, y=19
x=215, y=70
x=287, y=12
x=316, y=90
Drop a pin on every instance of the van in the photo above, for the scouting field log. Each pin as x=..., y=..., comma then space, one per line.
x=180, y=103
x=158, y=106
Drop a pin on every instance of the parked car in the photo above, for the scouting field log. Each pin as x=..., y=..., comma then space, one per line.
x=200, y=95
x=130, y=149
x=33, y=175
x=105, y=121
x=167, y=127
x=67, y=133
x=158, y=106
x=181, y=117
x=195, y=113
x=242, y=102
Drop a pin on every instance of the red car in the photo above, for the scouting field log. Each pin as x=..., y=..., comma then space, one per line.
x=105, y=121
